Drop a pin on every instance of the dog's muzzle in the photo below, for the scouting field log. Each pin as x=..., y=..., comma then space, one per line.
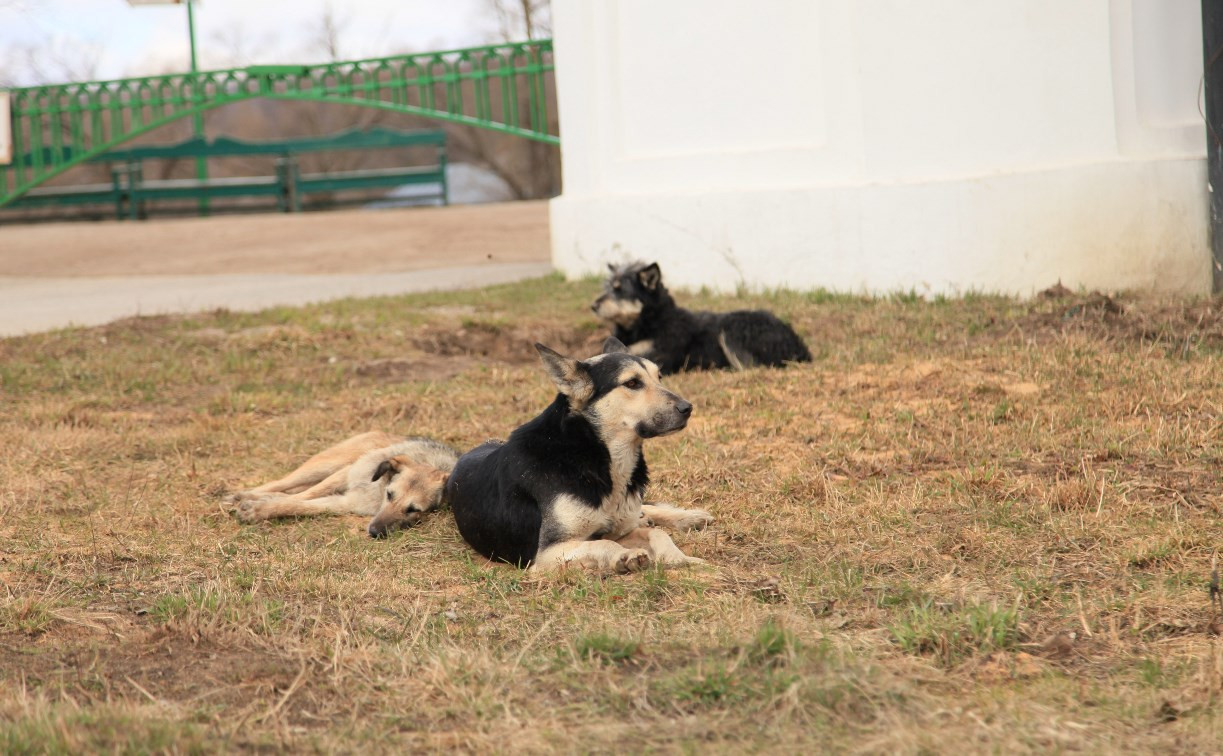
x=622, y=312
x=381, y=528
x=664, y=423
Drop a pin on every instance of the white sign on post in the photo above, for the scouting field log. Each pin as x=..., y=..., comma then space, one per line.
x=6, y=134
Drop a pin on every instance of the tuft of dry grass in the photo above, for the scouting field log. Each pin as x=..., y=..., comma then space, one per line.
x=977, y=523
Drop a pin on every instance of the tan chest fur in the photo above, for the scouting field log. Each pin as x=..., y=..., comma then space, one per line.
x=619, y=512
x=622, y=509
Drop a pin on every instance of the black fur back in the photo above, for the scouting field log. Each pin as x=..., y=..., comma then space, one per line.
x=473, y=490
x=688, y=340
x=695, y=340
x=498, y=490
x=762, y=336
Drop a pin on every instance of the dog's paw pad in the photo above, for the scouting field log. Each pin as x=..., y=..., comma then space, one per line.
x=633, y=560
x=248, y=510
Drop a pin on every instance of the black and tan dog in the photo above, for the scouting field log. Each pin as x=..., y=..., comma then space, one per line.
x=394, y=480
x=566, y=488
x=647, y=319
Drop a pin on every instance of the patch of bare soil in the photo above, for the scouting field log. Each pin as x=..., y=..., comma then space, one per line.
x=394, y=369
x=510, y=344
x=164, y=665
x=1177, y=325
x=438, y=352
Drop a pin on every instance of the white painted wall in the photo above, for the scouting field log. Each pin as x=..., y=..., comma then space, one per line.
x=876, y=145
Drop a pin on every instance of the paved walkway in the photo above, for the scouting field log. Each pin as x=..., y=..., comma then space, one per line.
x=29, y=305
x=56, y=275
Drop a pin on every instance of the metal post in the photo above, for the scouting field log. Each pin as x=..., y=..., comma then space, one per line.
x=197, y=120
x=1212, y=51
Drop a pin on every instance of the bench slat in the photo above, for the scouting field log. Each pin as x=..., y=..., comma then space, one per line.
x=354, y=139
x=68, y=191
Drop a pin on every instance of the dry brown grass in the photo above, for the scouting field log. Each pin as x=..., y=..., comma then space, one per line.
x=979, y=525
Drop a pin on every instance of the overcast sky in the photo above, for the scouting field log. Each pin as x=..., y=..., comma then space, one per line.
x=110, y=38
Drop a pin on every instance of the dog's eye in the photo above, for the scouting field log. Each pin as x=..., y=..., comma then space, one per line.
x=633, y=383
x=389, y=495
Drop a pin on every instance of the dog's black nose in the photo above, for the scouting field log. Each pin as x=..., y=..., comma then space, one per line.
x=684, y=408
x=377, y=531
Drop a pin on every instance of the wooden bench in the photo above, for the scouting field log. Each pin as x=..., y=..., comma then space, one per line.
x=130, y=192
x=78, y=194
x=138, y=190
x=434, y=174
x=113, y=194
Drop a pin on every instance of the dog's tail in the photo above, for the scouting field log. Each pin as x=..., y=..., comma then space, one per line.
x=762, y=337
x=739, y=359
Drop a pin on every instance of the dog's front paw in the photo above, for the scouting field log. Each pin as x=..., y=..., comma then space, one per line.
x=695, y=519
x=675, y=518
x=632, y=560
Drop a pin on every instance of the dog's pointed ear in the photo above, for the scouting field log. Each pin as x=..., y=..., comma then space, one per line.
x=570, y=376
x=387, y=469
x=613, y=345
x=440, y=479
x=612, y=267
x=650, y=276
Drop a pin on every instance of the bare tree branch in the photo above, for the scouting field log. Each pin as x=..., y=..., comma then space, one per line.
x=529, y=168
x=329, y=30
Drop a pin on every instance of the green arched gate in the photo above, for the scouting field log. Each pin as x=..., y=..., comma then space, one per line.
x=498, y=87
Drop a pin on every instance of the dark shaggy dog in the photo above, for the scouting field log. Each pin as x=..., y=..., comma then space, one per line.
x=567, y=487
x=653, y=326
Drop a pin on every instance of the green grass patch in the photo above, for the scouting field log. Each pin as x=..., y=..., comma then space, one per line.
x=951, y=635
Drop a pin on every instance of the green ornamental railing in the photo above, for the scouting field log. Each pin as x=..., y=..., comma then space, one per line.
x=499, y=87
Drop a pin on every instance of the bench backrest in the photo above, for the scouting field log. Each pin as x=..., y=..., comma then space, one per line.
x=354, y=139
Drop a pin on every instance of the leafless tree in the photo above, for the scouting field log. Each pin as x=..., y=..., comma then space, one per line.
x=56, y=59
x=522, y=19
x=327, y=31
x=53, y=60
x=235, y=46
x=531, y=169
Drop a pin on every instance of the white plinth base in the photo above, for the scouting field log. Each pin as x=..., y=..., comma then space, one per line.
x=1110, y=226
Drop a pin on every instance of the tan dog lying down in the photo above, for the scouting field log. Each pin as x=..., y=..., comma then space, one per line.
x=393, y=479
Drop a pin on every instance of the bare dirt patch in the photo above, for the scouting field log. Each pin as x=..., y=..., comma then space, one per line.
x=1172, y=324
x=181, y=668
x=510, y=344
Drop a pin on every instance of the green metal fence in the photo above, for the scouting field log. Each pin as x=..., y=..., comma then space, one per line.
x=499, y=87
